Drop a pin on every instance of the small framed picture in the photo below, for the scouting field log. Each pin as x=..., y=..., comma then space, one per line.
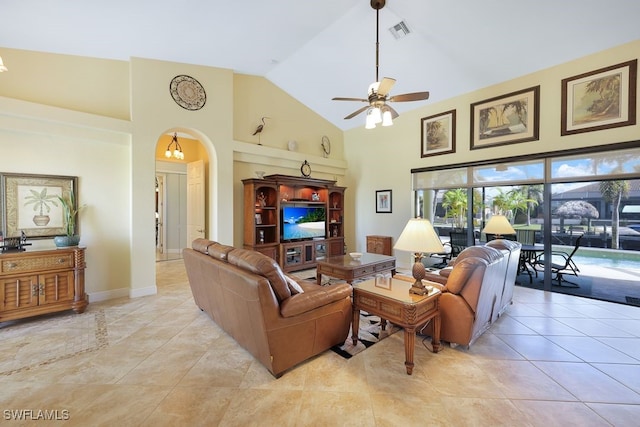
x=438, y=134
x=258, y=219
x=383, y=281
x=600, y=99
x=383, y=201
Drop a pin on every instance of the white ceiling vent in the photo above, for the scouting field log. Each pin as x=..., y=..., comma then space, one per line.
x=400, y=30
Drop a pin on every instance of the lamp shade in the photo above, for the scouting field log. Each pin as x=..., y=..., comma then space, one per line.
x=499, y=225
x=419, y=236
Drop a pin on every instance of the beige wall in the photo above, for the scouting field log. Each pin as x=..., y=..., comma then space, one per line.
x=396, y=150
x=90, y=85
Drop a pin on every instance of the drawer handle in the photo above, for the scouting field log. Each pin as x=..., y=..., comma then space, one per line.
x=11, y=265
x=61, y=261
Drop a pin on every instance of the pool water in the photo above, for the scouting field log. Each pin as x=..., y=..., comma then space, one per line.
x=608, y=258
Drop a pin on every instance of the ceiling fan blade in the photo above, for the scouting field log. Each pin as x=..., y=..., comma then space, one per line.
x=385, y=86
x=415, y=96
x=349, y=99
x=394, y=113
x=355, y=113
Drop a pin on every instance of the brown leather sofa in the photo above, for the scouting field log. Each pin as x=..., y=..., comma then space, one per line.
x=280, y=322
x=470, y=294
x=511, y=251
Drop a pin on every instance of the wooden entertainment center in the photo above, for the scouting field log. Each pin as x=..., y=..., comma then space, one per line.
x=266, y=199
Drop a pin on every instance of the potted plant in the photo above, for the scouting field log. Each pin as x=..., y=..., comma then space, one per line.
x=69, y=213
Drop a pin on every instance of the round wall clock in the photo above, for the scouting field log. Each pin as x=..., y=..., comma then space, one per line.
x=326, y=146
x=187, y=92
x=305, y=169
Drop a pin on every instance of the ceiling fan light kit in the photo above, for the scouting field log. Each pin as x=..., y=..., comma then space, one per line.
x=378, y=93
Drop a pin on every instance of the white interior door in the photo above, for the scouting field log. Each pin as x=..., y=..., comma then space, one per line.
x=195, y=201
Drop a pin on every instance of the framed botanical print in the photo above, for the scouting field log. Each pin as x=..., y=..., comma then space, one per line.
x=30, y=203
x=600, y=99
x=506, y=119
x=438, y=134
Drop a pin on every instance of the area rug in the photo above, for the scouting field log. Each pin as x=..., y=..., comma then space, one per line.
x=369, y=333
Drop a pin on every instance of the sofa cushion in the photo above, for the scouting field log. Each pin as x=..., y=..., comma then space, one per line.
x=261, y=264
x=201, y=245
x=219, y=251
x=294, y=286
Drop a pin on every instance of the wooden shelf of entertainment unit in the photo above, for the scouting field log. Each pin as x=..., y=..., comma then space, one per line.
x=305, y=254
x=263, y=203
x=35, y=282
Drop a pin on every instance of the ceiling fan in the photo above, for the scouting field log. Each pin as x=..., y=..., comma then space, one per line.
x=378, y=94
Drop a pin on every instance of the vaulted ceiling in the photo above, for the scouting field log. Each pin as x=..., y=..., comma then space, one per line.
x=315, y=50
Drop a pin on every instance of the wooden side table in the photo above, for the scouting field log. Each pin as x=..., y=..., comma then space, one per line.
x=397, y=305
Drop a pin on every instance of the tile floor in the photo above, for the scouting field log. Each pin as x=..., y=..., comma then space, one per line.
x=551, y=360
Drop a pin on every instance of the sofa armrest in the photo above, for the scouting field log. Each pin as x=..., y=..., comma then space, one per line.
x=435, y=277
x=309, y=300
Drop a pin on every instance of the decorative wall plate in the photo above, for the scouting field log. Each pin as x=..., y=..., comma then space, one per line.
x=187, y=92
x=292, y=145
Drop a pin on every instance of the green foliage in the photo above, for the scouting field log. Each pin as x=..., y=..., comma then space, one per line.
x=41, y=200
x=70, y=213
x=313, y=215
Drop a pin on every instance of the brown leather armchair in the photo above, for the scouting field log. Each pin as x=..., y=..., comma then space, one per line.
x=470, y=295
x=511, y=251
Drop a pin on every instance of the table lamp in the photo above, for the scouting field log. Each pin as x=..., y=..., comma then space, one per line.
x=419, y=237
x=498, y=225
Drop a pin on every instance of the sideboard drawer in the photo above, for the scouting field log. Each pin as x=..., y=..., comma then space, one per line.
x=28, y=264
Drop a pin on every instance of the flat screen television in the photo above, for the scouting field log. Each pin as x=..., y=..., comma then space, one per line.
x=303, y=222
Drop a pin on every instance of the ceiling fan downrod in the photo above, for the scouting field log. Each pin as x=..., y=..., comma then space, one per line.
x=377, y=5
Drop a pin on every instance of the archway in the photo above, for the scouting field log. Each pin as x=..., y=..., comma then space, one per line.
x=180, y=191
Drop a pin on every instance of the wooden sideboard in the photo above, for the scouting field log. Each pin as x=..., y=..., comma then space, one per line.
x=379, y=245
x=35, y=282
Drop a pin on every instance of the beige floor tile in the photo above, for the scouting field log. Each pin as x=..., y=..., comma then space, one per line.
x=618, y=414
x=543, y=413
x=548, y=326
x=537, y=348
x=326, y=408
x=463, y=411
x=628, y=375
x=523, y=380
x=192, y=406
x=264, y=408
x=591, y=350
x=587, y=383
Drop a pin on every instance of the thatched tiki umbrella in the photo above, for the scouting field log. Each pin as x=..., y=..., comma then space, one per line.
x=577, y=209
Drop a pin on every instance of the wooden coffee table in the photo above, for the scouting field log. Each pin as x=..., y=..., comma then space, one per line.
x=398, y=306
x=344, y=267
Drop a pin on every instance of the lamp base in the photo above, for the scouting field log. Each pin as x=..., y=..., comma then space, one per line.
x=418, y=272
x=418, y=288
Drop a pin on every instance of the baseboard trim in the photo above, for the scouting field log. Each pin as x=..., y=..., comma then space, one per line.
x=143, y=292
x=107, y=295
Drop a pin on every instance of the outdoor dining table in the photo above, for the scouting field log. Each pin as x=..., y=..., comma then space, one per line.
x=528, y=256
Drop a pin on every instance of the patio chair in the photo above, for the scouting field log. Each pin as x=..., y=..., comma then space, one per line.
x=458, y=242
x=562, y=264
